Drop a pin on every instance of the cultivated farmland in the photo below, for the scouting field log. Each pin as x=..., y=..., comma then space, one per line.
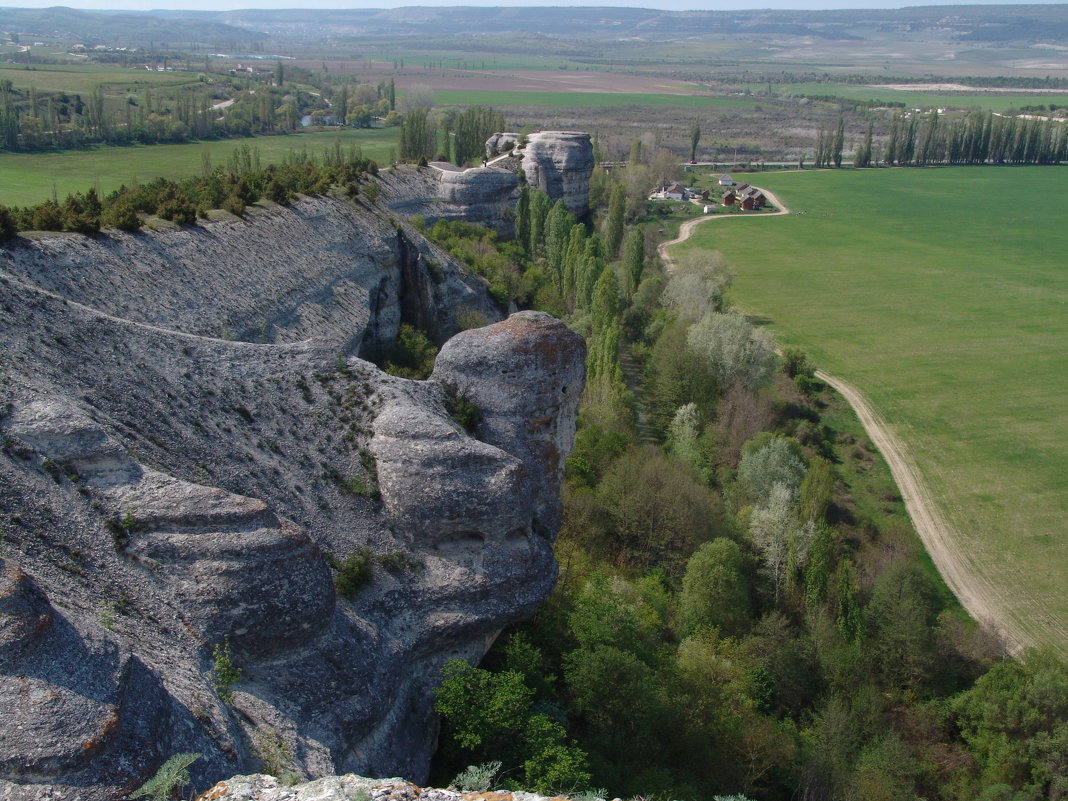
x=943, y=296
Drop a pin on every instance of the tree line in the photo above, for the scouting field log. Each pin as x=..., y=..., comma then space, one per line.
x=32, y=121
x=455, y=136
x=978, y=137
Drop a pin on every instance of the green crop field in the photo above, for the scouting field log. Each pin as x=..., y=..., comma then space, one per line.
x=942, y=294
x=27, y=178
x=83, y=78
x=587, y=99
x=920, y=99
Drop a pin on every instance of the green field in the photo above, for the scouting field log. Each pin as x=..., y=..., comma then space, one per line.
x=920, y=99
x=27, y=178
x=588, y=99
x=83, y=78
x=944, y=298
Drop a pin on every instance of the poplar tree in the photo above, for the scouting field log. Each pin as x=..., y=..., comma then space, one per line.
x=634, y=261
x=522, y=219
x=617, y=207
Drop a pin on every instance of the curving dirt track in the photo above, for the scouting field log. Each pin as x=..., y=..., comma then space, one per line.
x=973, y=591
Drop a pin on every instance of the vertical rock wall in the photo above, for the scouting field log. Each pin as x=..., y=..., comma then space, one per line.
x=560, y=163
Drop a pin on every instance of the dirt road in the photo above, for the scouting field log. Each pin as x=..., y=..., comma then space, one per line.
x=973, y=591
x=686, y=229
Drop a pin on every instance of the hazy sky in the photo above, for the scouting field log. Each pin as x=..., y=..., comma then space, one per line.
x=144, y=5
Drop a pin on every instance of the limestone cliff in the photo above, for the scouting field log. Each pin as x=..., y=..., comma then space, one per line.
x=480, y=195
x=323, y=266
x=164, y=492
x=560, y=163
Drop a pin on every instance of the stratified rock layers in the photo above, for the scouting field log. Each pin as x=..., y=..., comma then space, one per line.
x=173, y=504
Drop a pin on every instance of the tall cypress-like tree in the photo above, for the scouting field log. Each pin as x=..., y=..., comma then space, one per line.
x=634, y=260
x=617, y=207
x=557, y=229
x=522, y=219
x=839, y=143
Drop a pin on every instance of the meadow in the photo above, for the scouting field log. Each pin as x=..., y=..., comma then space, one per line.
x=943, y=295
x=27, y=178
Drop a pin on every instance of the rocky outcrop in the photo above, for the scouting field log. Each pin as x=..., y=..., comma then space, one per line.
x=560, y=163
x=345, y=788
x=501, y=143
x=482, y=195
x=166, y=496
x=323, y=266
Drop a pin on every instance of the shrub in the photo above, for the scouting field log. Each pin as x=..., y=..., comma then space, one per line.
x=224, y=673
x=234, y=204
x=413, y=354
x=353, y=573
x=47, y=217
x=477, y=778
x=175, y=206
x=121, y=215
x=7, y=223
x=172, y=775
x=464, y=412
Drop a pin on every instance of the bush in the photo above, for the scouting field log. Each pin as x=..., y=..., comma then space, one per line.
x=224, y=673
x=464, y=412
x=7, y=223
x=234, y=204
x=172, y=775
x=175, y=206
x=353, y=573
x=47, y=217
x=477, y=778
x=121, y=216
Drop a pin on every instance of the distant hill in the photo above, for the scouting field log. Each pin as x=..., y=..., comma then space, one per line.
x=134, y=29
x=978, y=22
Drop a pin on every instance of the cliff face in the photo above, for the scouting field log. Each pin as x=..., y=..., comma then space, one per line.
x=481, y=195
x=164, y=493
x=321, y=267
x=560, y=163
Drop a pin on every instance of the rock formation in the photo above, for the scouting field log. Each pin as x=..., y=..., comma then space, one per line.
x=560, y=163
x=166, y=495
x=482, y=195
x=323, y=266
x=442, y=191
x=345, y=788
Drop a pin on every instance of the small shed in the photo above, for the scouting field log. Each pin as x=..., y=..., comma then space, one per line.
x=726, y=180
x=729, y=198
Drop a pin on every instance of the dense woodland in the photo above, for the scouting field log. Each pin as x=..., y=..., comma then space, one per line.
x=731, y=617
